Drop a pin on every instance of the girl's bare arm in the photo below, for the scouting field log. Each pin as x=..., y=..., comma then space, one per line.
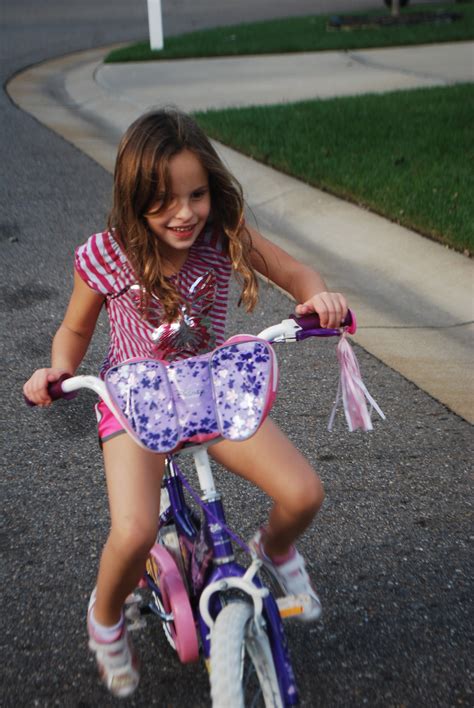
x=70, y=342
x=305, y=284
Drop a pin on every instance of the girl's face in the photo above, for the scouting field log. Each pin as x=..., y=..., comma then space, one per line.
x=183, y=220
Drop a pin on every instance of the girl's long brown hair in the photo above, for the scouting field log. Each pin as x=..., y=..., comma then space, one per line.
x=142, y=171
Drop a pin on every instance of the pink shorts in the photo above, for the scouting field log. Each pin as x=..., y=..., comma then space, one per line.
x=107, y=424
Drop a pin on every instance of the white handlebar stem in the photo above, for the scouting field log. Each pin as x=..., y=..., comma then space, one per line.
x=285, y=331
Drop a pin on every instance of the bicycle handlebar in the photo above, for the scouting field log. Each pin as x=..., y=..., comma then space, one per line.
x=297, y=328
x=293, y=329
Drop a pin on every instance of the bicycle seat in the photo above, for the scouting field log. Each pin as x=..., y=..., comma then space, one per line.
x=227, y=392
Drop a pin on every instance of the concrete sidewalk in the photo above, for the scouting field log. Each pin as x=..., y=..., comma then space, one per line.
x=413, y=297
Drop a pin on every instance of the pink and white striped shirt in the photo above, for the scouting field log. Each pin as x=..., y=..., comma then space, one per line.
x=203, y=281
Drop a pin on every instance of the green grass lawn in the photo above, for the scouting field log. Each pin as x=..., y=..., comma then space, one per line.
x=303, y=34
x=407, y=155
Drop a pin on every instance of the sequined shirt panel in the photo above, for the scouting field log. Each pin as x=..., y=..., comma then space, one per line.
x=103, y=266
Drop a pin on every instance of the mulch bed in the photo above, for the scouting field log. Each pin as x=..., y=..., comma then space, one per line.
x=355, y=22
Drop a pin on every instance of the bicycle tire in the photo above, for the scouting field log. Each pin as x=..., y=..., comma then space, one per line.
x=242, y=668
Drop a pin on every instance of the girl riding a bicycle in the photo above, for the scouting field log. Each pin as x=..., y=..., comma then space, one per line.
x=176, y=233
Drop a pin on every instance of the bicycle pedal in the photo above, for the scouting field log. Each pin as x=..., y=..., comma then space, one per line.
x=134, y=617
x=133, y=599
x=292, y=605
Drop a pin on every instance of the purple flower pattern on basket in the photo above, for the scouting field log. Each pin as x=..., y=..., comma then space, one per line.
x=241, y=379
x=192, y=394
x=226, y=392
x=140, y=390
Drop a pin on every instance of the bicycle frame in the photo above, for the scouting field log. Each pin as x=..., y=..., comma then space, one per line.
x=226, y=576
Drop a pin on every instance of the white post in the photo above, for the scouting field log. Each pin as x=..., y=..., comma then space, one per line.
x=395, y=8
x=155, y=24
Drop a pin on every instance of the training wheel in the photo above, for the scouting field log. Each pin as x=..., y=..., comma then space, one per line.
x=165, y=574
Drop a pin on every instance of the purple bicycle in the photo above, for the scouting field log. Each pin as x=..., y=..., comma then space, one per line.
x=209, y=604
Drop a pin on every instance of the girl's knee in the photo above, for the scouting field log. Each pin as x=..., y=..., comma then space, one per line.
x=313, y=494
x=134, y=538
x=306, y=496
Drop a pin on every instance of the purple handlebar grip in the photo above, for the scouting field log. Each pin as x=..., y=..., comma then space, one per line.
x=311, y=326
x=55, y=391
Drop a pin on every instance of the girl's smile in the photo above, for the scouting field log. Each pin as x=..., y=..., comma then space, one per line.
x=179, y=224
x=183, y=232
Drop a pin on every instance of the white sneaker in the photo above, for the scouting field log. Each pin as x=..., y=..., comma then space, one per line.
x=116, y=660
x=292, y=578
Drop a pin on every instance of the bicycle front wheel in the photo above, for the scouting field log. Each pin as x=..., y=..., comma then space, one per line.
x=242, y=667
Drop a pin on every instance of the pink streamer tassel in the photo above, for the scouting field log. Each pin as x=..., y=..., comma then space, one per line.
x=353, y=390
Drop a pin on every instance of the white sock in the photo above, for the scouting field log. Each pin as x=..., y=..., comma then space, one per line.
x=103, y=633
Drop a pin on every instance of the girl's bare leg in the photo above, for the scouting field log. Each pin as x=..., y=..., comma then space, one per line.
x=133, y=484
x=271, y=462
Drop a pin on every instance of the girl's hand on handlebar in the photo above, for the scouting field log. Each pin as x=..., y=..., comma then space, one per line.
x=331, y=308
x=36, y=388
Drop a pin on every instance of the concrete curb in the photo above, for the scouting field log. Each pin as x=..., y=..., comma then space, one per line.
x=413, y=296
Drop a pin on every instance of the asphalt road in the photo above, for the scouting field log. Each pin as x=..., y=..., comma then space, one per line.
x=390, y=549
